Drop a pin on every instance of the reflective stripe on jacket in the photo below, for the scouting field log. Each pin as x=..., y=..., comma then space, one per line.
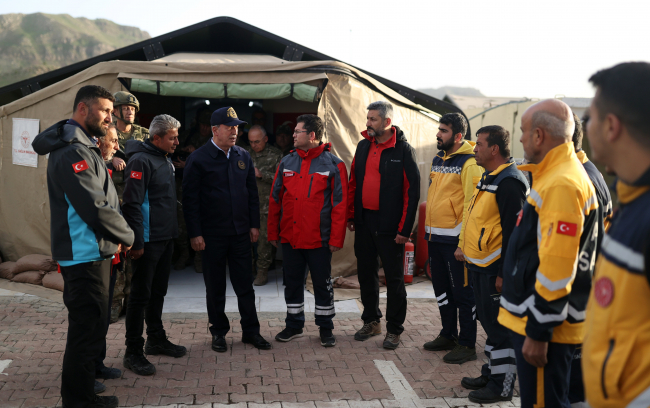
x=483, y=232
x=552, y=251
x=453, y=179
x=615, y=356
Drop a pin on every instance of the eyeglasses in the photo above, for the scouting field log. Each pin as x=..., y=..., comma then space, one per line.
x=297, y=132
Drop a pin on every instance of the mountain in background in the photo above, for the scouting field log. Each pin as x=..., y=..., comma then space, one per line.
x=454, y=90
x=32, y=44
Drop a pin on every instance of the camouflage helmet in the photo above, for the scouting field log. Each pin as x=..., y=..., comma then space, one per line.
x=126, y=98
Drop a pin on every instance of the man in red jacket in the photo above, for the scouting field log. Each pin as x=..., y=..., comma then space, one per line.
x=307, y=211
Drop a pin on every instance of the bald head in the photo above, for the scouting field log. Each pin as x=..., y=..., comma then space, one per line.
x=553, y=117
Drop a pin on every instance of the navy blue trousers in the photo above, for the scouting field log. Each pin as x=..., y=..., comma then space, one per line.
x=454, y=292
x=547, y=386
x=99, y=362
x=319, y=261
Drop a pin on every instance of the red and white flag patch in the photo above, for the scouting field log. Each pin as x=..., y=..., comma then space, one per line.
x=289, y=174
x=80, y=166
x=136, y=175
x=520, y=214
x=567, y=228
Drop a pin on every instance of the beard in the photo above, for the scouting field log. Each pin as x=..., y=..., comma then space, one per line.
x=374, y=132
x=446, y=146
x=94, y=126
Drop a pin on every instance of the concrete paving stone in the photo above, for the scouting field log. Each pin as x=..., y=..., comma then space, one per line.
x=332, y=404
x=307, y=404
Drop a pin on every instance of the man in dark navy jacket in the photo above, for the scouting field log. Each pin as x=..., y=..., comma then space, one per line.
x=222, y=213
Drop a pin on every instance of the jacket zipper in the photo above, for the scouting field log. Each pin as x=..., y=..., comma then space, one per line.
x=602, y=374
x=310, y=182
x=480, y=238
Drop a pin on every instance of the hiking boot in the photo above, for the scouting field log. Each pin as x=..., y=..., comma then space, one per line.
x=198, y=262
x=367, y=331
x=474, y=383
x=460, y=354
x=262, y=277
x=116, y=309
x=180, y=263
x=105, y=402
x=439, y=344
x=327, y=339
x=288, y=334
x=99, y=387
x=107, y=373
x=155, y=346
x=486, y=396
x=391, y=341
x=137, y=363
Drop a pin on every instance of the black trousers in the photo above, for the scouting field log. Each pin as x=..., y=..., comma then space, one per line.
x=235, y=250
x=547, y=386
x=85, y=295
x=148, y=289
x=367, y=246
x=454, y=292
x=319, y=261
x=576, y=384
x=99, y=363
x=502, y=369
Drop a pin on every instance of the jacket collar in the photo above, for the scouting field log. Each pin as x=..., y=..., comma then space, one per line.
x=466, y=148
x=582, y=156
x=388, y=143
x=214, y=151
x=77, y=134
x=504, y=166
x=556, y=155
x=315, y=152
x=628, y=193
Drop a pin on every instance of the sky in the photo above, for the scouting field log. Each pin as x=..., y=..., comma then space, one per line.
x=522, y=48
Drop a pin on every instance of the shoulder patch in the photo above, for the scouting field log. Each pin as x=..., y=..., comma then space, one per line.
x=136, y=175
x=80, y=166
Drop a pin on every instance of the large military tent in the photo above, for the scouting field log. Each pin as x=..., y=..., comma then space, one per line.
x=337, y=92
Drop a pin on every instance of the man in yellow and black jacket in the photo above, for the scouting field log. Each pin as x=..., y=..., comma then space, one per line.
x=615, y=359
x=454, y=176
x=491, y=218
x=550, y=259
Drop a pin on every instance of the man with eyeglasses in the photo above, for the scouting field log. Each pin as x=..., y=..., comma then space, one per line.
x=266, y=159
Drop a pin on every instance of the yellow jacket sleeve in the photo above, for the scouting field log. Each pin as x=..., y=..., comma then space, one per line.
x=469, y=176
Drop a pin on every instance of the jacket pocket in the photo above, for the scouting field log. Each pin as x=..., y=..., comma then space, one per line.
x=615, y=362
x=311, y=182
x=480, y=238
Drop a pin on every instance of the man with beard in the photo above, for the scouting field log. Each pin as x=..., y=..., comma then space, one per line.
x=87, y=229
x=383, y=196
x=453, y=179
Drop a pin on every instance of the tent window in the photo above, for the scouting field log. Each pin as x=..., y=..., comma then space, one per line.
x=208, y=90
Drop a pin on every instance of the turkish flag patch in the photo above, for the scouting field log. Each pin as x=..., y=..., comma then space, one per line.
x=80, y=166
x=520, y=214
x=136, y=175
x=567, y=228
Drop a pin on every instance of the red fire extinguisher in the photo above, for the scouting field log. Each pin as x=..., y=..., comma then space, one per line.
x=409, y=261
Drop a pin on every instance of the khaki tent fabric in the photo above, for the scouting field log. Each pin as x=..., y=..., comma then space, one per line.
x=24, y=208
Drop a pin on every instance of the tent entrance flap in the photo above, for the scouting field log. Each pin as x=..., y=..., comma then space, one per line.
x=301, y=92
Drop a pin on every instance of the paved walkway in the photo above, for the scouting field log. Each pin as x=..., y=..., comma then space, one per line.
x=300, y=373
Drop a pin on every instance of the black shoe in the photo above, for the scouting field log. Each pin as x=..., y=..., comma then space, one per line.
x=474, y=383
x=460, y=354
x=288, y=334
x=155, y=346
x=486, y=396
x=327, y=339
x=137, y=363
x=108, y=373
x=219, y=343
x=104, y=402
x=439, y=344
x=257, y=341
x=99, y=387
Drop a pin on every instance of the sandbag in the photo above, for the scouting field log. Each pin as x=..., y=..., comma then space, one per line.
x=53, y=280
x=33, y=277
x=35, y=263
x=350, y=282
x=7, y=270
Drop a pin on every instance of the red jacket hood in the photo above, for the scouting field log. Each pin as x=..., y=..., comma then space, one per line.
x=389, y=143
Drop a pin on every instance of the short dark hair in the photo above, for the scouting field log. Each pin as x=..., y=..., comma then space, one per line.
x=623, y=91
x=89, y=94
x=312, y=124
x=457, y=122
x=499, y=136
x=577, y=133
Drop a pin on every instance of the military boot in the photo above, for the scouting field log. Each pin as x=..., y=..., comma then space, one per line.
x=179, y=265
x=262, y=277
x=198, y=262
x=116, y=309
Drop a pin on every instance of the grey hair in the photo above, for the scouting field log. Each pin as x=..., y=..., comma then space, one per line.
x=162, y=124
x=553, y=125
x=258, y=127
x=384, y=108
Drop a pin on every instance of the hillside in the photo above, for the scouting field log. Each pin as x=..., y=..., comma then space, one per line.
x=32, y=44
x=455, y=90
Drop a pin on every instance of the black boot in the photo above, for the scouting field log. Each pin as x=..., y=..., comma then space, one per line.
x=136, y=362
x=487, y=396
x=161, y=345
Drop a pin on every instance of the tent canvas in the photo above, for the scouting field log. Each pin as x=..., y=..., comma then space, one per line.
x=24, y=207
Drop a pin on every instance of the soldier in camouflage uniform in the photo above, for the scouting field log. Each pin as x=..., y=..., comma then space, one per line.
x=284, y=138
x=125, y=107
x=195, y=138
x=266, y=159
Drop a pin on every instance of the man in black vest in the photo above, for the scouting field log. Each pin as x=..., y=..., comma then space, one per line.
x=222, y=213
x=383, y=196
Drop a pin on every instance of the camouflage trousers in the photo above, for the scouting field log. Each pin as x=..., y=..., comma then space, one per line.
x=122, y=288
x=263, y=256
